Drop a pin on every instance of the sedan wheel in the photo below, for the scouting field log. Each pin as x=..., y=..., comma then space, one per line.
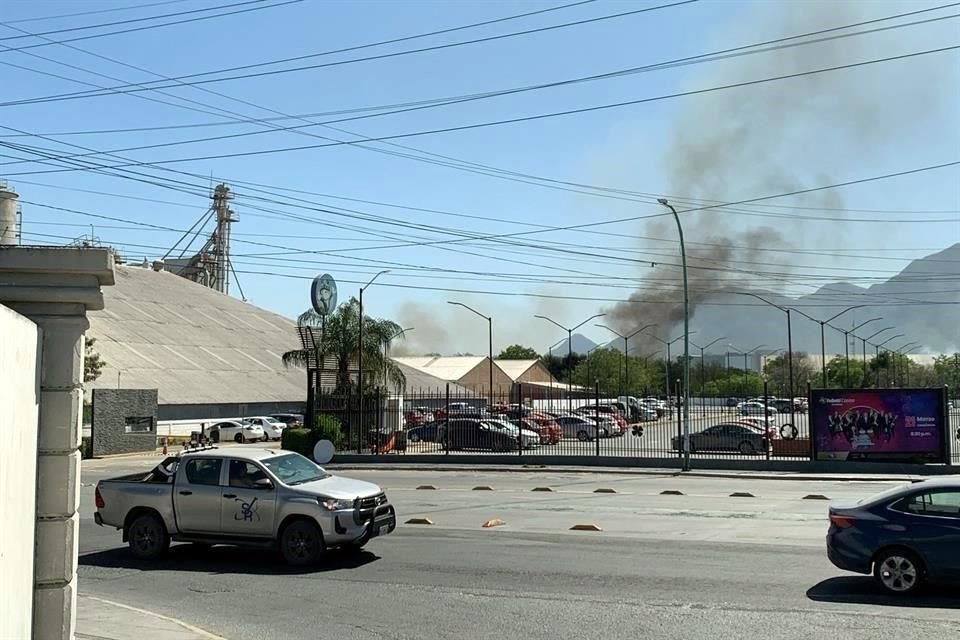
x=583, y=436
x=413, y=437
x=238, y=438
x=898, y=571
x=747, y=449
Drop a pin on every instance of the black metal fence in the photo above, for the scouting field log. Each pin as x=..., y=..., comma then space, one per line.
x=538, y=420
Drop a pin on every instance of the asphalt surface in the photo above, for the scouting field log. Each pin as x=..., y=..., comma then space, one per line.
x=701, y=565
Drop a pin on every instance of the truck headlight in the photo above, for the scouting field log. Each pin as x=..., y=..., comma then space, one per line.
x=331, y=504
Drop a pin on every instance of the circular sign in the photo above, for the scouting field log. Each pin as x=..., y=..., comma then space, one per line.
x=323, y=294
x=789, y=432
x=323, y=452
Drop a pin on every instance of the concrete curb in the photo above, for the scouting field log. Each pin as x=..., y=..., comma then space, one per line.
x=625, y=471
x=193, y=631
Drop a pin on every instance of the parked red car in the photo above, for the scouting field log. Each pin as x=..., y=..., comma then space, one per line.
x=548, y=430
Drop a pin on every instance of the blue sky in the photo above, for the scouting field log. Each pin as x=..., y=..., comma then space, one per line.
x=729, y=145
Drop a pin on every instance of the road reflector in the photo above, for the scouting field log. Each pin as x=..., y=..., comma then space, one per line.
x=604, y=490
x=585, y=527
x=742, y=494
x=815, y=496
x=671, y=492
x=541, y=489
x=483, y=487
x=419, y=521
x=426, y=487
x=493, y=523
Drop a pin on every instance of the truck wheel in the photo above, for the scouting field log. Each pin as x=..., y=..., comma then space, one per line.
x=301, y=543
x=148, y=537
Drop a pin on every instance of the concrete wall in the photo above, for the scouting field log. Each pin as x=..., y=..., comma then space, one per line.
x=19, y=410
x=537, y=373
x=123, y=421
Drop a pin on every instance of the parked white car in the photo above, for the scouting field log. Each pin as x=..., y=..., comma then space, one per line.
x=755, y=409
x=272, y=429
x=235, y=431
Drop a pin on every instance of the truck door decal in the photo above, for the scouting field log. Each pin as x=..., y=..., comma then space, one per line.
x=248, y=511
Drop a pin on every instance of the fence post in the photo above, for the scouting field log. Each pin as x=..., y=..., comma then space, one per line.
x=596, y=412
x=446, y=430
x=766, y=425
x=680, y=444
x=810, y=422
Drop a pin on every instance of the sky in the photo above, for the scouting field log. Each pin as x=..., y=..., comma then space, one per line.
x=398, y=204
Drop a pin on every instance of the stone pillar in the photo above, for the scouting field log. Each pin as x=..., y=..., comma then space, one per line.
x=54, y=287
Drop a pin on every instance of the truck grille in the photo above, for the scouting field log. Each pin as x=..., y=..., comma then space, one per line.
x=371, y=507
x=373, y=501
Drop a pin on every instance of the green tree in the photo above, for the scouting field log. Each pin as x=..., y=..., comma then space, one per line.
x=561, y=366
x=777, y=371
x=603, y=367
x=92, y=362
x=837, y=373
x=946, y=371
x=518, y=352
x=340, y=341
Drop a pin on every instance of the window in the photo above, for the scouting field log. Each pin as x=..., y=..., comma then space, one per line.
x=245, y=475
x=932, y=503
x=294, y=469
x=138, y=424
x=203, y=471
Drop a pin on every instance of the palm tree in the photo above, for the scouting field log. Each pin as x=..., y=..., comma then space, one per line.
x=340, y=341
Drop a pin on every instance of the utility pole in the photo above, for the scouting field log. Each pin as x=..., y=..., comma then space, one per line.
x=489, y=320
x=624, y=386
x=570, y=331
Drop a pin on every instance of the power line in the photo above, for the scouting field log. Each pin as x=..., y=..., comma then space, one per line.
x=96, y=11
x=448, y=45
x=520, y=119
x=152, y=26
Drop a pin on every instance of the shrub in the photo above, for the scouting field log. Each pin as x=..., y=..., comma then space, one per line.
x=299, y=440
x=86, y=448
x=327, y=428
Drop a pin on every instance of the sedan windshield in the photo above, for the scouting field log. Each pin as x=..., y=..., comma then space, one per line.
x=292, y=469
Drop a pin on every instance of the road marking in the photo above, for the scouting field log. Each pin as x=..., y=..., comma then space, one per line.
x=189, y=627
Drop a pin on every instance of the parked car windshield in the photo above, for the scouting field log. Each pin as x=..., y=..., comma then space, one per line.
x=292, y=469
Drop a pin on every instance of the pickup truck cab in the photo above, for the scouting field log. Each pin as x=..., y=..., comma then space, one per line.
x=247, y=497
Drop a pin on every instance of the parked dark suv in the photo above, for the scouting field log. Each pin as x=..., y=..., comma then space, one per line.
x=479, y=434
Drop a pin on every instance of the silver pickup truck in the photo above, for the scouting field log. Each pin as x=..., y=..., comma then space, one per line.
x=249, y=497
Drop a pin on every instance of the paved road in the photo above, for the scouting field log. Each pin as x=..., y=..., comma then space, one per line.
x=702, y=565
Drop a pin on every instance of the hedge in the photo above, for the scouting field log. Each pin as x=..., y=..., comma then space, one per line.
x=299, y=440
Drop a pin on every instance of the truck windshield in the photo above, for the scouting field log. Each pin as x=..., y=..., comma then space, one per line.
x=294, y=469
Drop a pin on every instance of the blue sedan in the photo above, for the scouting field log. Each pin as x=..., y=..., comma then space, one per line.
x=904, y=536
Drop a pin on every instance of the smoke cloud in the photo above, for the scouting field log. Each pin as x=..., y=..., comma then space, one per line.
x=780, y=137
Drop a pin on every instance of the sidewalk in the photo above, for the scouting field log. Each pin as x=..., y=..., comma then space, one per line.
x=99, y=619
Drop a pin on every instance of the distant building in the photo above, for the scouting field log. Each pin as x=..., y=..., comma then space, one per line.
x=532, y=371
x=471, y=372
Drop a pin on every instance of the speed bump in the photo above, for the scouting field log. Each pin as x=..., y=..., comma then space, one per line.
x=493, y=523
x=671, y=492
x=483, y=487
x=604, y=490
x=426, y=487
x=585, y=527
x=742, y=494
x=815, y=496
x=541, y=489
x=419, y=521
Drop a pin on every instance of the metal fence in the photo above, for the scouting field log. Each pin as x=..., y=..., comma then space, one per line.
x=534, y=420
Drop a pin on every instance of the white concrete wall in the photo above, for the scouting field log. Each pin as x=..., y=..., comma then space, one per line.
x=19, y=406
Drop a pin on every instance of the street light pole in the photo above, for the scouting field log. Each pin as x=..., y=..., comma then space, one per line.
x=703, y=376
x=386, y=350
x=666, y=369
x=823, y=338
x=846, y=349
x=745, y=354
x=787, y=311
x=570, y=331
x=625, y=381
x=865, y=341
x=489, y=320
x=686, y=338
x=360, y=350
x=880, y=345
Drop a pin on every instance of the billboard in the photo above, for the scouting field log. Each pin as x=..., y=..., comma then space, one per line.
x=879, y=424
